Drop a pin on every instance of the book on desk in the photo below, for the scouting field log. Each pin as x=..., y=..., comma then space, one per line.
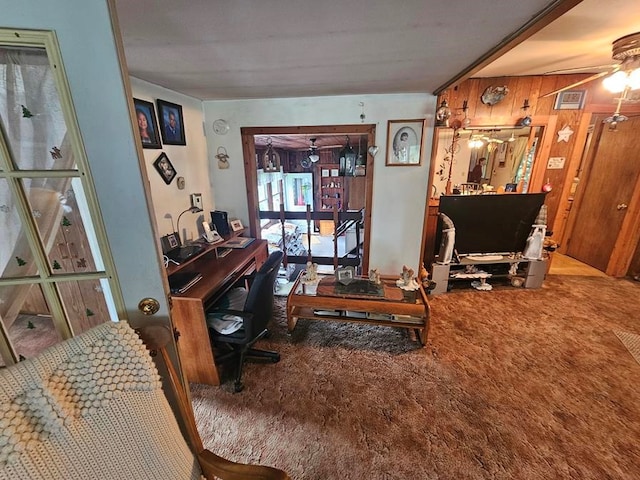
x=238, y=242
x=180, y=282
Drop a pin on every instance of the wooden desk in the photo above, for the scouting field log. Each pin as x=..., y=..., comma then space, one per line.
x=188, y=310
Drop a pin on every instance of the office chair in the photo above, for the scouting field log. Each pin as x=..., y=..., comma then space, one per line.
x=255, y=309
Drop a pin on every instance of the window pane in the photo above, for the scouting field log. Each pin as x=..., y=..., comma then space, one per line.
x=84, y=303
x=26, y=318
x=31, y=112
x=64, y=224
x=16, y=258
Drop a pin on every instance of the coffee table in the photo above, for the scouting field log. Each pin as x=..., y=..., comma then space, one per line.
x=359, y=302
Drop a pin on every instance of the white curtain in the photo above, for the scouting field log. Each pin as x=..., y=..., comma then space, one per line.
x=33, y=125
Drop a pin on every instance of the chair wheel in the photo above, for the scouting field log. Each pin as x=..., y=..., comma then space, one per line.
x=238, y=387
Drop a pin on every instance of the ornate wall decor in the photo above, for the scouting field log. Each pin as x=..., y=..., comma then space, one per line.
x=493, y=95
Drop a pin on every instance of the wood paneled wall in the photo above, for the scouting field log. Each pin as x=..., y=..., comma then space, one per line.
x=509, y=111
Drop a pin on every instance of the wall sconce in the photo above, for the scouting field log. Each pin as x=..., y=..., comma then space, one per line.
x=373, y=150
x=526, y=120
x=443, y=114
x=466, y=121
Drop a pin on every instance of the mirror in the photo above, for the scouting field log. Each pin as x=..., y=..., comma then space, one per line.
x=485, y=159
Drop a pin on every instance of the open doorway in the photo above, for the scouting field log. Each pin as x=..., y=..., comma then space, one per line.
x=311, y=191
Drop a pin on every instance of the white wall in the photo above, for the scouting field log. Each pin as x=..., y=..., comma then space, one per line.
x=399, y=193
x=189, y=161
x=100, y=99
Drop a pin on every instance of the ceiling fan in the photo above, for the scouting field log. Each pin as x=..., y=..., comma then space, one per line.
x=313, y=156
x=621, y=77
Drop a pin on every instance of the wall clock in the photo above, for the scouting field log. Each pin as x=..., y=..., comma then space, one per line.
x=220, y=126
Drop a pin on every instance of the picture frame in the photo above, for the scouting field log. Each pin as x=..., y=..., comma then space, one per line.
x=147, y=123
x=236, y=225
x=345, y=275
x=165, y=168
x=570, y=100
x=171, y=123
x=404, y=142
x=172, y=240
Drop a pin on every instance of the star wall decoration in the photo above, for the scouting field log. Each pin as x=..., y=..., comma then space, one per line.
x=564, y=134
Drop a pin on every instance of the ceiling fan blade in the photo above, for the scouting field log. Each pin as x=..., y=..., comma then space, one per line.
x=577, y=84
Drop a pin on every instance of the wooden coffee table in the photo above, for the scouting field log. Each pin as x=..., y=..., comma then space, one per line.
x=360, y=302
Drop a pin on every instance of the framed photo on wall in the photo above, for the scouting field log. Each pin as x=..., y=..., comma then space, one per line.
x=404, y=142
x=165, y=168
x=171, y=123
x=147, y=124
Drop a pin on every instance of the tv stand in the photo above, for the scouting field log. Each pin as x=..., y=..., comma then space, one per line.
x=531, y=271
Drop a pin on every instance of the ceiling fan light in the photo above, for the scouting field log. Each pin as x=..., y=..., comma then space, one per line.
x=615, y=83
x=314, y=157
x=634, y=79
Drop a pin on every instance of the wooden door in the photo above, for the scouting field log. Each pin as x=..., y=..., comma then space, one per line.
x=603, y=204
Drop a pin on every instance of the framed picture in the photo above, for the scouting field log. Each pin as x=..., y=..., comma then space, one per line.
x=165, y=168
x=236, y=225
x=147, y=124
x=344, y=275
x=171, y=123
x=404, y=142
x=570, y=100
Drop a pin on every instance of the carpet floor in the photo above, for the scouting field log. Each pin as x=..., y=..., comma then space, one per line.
x=513, y=384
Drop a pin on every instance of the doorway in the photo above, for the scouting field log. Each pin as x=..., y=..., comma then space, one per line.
x=603, y=222
x=338, y=188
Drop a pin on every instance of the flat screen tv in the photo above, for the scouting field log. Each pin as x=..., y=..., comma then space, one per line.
x=489, y=224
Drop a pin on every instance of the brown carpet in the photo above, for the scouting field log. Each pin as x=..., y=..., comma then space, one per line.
x=514, y=384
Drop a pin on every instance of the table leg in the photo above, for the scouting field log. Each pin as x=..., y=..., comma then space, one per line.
x=291, y=319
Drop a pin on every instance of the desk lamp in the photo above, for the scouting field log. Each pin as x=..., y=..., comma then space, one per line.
x=190, y=209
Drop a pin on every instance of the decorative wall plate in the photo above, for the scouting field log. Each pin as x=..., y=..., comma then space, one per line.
x=493, y=95
x=220, y=126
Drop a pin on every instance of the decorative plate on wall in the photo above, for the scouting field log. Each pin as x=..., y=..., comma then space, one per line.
x=493, y=95
x=220, y=126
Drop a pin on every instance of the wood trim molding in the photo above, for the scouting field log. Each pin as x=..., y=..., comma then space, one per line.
x=550, y=13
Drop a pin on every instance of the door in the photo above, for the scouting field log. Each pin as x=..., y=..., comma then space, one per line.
x=117, y=246
x=602, y=209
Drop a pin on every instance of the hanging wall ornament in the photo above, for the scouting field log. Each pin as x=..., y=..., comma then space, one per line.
x=493, y=95
x=564, y=134
x=223, y=158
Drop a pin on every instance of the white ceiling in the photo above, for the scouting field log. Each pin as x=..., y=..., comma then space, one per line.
x=214, y=49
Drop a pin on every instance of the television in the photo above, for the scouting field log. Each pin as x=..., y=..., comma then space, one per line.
x=490, y=224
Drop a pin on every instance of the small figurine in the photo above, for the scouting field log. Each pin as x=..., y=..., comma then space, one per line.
x=407, y=275
x=423, y=275
x=406, y=280
x=374, y=276
x=311, y=274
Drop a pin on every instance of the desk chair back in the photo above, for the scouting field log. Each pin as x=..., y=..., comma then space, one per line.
x=259, y=300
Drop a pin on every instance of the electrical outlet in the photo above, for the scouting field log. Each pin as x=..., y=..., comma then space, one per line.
x=196, y=200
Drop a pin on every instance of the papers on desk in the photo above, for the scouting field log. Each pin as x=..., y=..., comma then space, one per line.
x=238, y=242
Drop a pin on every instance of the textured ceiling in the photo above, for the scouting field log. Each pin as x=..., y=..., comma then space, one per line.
x=292, y=48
